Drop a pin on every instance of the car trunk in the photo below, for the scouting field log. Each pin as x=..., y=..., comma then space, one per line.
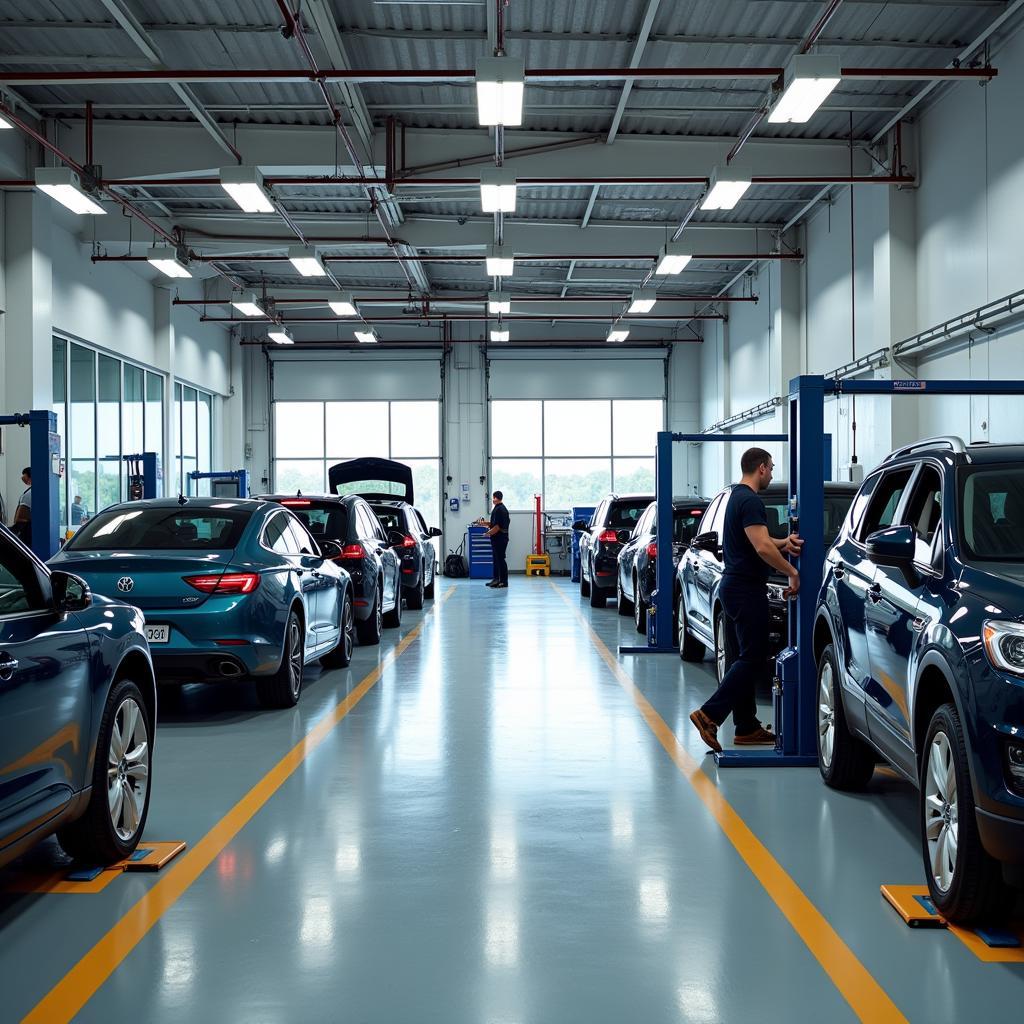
x=373, y=479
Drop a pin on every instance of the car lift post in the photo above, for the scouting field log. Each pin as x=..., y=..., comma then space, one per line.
x=45, y=461
x=796, y=684
x=147, y=461
x=240, y=476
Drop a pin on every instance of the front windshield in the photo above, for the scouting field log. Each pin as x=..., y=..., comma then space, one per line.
x=992, y=513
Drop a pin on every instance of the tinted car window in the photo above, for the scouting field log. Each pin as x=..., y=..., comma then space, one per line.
x=368, y=528
x=717, y=519
x=686, y=524
x=623, y=515
x=884, y=502
x=648, y=522
x=131, y=529
x=390, y=519
x=328, y=522
x=419, y=519
x=275, y=536
x=861, y=501
x=924, y=512
x=299, y=542
x=19, y=589
x=992, y=513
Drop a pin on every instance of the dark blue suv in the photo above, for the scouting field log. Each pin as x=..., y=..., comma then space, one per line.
x=919, y=642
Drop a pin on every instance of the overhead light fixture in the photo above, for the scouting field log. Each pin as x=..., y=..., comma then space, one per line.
x=62, y=184
x=166, y=259
x=499, y=90
x=248, y=305
x=643, y=300
x=617, y=334
x=4, y=123
x=342, y=304
x=499, y=302
x=499, y=334
x=500, y=261
x=367, y=337
x=672, y=259
x=245, y=186
x=724, y=193
x=281, y=336
x=807, y=82
x=497, y=190
x=305, y=261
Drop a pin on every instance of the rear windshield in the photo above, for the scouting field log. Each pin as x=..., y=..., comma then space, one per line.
x=328, y=522
x=622, y=515
x=836, y=507
x=992, y=513
x=686, y=524
x=184, y=529
x=371, y=487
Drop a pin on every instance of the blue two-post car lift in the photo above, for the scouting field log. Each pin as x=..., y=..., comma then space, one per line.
x=45, y=462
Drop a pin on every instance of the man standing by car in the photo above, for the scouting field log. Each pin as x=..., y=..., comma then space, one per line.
x=498, y=532
x=750, y=553
x=22, y=525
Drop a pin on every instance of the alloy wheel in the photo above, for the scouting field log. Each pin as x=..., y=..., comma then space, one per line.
x=348, y=629
x=295, y=656
x=826, y=715
x=940, y=811
x=638, y=606
x=127, y=769
x=720, y=648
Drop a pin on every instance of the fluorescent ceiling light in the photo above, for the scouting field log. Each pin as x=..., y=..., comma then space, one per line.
x=724, y=193
x=368, y=337
x=499, y=90
x=497, y=190
x=499, y=335
x=248, y=305
x=281, y=336
x=807, y=82
x=4, y=123
x=305, y=261
x=643, y=300
x=672, y=259
x=500, y=261
x=62, y=184
x=165, y=259
x=499, y=302
x=245, y=186
x=342, y=305
x=617, y=335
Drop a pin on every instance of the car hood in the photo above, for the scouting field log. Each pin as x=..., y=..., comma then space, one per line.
x=373, y=471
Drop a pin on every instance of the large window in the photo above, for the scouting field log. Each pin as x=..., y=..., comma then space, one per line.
x=309, y=437
x=193, y=431
x=573, y=452
x=105, y=409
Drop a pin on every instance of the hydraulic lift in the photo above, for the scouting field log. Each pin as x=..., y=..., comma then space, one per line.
x=230, y=483
x=143, y=474
x=46, y=465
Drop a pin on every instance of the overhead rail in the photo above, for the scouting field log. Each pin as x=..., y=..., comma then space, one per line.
x=402, y=299
x=422, y=317
x=757, y=412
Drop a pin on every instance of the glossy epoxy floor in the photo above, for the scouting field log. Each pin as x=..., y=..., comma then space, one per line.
x=493, y=834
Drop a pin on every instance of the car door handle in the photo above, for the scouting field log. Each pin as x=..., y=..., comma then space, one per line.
x=875, y=592
x=7, y=668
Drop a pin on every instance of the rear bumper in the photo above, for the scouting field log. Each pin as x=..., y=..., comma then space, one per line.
x=224, y=664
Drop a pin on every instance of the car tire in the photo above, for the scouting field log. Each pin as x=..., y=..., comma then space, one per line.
x=428, y=590
x=341, y=656
x=584, y=583
x=639, y=610
x=105, y=833
x=414, y=595
x=690, y=648
x=969, y=888
x=720, y=666
x=844, y=760
x=369, y=629
x=393, y=618
x=622, y=604
x=284, y=687
x=598, y=597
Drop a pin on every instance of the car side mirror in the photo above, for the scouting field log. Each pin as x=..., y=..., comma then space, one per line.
x=330, y=549
x=70, y=593
x=434, y=531
x=581, y=524
x=893, y=547
x=622, y=536
x=706, y=542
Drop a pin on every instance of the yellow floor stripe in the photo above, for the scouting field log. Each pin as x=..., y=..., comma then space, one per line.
x=866, y=997
x=78, y=986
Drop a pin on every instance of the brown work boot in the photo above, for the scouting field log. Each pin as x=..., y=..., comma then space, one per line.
x=761, y=736
x=707, y=729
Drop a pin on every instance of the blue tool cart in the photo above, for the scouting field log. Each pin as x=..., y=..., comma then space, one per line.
x=481, y=557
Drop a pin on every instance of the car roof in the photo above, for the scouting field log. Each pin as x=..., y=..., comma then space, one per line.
x=319, y=499
x=243, y=504
x=978, y=452
x=632, y=497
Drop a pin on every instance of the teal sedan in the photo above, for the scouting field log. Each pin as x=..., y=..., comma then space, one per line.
x=230, y=589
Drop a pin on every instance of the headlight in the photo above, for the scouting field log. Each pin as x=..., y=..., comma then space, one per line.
x=1004, y=645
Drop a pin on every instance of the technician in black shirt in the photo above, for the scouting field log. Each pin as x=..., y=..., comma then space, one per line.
x=498, y=532
x=750, y=554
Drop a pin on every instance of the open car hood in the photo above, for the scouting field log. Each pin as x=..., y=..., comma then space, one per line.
x=375, y=474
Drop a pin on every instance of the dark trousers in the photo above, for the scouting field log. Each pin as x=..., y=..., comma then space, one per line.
x=499, y=545
x=745, y=605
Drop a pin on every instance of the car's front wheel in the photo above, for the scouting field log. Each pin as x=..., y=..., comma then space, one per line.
x=428, y=590
x=720, y=665
x=369, y=629
x=341, y=656
x=690, y=649
x=845, y=762
x=115, y=817
x=622, y=603
x=598, y=597
x=283, y=688
x=584, y=582
x=414, y=595
x=639, y=609
x=965, y=883
x=393, y=619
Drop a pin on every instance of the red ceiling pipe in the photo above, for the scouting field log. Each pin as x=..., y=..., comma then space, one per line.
x=402, y=297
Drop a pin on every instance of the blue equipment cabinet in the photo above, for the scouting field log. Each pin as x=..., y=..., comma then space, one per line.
x=578, y=512
x=481, y=557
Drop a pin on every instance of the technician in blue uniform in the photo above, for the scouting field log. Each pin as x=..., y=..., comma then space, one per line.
x=750, y=555
x=498, y=532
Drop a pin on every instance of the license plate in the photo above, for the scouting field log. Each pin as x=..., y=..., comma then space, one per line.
x=158, y=634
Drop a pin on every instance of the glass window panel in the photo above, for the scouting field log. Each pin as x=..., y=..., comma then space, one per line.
x=517, y=479
x=569, y=482
x=179, y=486
x=60, y=392
x=108, y=432
x=133, y=415
x=415, y=430
x=201, y=488
x=578, y=428
x=426, y=486
x=108, y=484
x=633, y=476
x=515, y=429
x=82, y=428
x=204, y=449
x=82, y=485
x=292, y=475
x=636, y=426
x=299, y=430
x=356, y=430
x=154, y=425
x=188, y=423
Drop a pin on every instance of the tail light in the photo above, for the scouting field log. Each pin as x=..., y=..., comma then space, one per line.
x=225, y=583
x=608, y=537
x=409, y=542
x=652, y=550
x=352, y=551
x=296, y=502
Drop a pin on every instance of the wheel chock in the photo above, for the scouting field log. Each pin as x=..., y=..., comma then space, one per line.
x=152, y=856
x=914, y=905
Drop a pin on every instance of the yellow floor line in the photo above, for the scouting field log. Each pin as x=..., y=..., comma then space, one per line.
x=78, y=986
x=866, y=997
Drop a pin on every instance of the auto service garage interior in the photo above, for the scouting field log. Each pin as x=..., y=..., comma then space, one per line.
x=586, y=254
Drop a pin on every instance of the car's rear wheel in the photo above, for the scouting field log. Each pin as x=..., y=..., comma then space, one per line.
x=428, y=590
x=393, y=619
x=598, y=595
x=720, y=665
x=639, y=608
x=584, y=583
x=622, y=603
x=414, y=595
x=965, y=883
x=845, y=762
x=283, y=688
x=341, y=656
x=690, y=649
x=115, y=817
x=369, y=629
